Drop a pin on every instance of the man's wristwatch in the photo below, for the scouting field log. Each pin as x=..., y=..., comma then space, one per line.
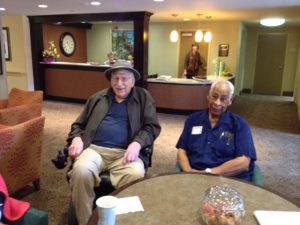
x=208, y=170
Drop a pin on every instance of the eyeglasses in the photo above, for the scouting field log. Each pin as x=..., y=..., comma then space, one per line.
x=122, y=79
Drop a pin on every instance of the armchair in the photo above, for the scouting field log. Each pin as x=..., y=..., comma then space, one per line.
x=20, y=153
x=20, y=106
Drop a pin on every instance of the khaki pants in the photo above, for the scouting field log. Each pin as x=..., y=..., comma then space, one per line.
x=85, y=176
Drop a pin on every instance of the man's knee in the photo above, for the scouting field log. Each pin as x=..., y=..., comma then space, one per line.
x=82, y=172
x=136, y=171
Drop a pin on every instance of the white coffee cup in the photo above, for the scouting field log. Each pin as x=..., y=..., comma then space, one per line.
x=106, y=212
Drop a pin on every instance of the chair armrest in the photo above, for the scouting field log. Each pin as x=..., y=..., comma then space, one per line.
x=21, y=148
x=19, y=114
x=147, y=152
x=3, y=103
x=257, y=177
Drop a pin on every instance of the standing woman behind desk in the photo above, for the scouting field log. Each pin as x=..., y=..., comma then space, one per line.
x=192, y=62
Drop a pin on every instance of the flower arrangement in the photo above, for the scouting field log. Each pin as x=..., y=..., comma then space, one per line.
x=51, y=51
x=216, y=63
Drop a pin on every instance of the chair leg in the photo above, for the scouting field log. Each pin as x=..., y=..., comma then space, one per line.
x=37, y=184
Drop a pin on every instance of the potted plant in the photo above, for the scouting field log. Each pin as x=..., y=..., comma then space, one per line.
x=50, y=54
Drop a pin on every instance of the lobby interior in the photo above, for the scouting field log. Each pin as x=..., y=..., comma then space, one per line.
x=240, y=32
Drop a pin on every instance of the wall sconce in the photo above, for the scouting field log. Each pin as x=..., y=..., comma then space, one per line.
x=174, y=33
x=199, y=33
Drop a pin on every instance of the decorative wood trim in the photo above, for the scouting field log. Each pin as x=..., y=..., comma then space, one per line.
x=141, y=32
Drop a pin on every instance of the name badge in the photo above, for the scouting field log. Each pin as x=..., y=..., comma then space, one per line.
x=197, y=130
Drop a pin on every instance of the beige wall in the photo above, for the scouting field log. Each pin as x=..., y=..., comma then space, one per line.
x=163, y=55
x=18, y=72
x=291, y=57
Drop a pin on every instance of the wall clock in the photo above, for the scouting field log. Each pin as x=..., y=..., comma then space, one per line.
x=67, y=44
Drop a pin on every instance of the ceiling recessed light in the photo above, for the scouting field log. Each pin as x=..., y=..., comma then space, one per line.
x=95, y=3
x=158, y=0
x=186, y=19
x=272, y=22
x=2, y=9
x=43, y=6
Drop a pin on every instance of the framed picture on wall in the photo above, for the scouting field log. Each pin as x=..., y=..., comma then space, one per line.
x=122, y=43
x=1, y=70
x=6, y=43
x=223, y=50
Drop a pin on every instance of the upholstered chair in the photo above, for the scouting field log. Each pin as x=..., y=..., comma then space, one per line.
x=20, y=153
x=20, y=106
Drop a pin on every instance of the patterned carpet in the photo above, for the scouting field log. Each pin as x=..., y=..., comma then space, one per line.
x=273, y=121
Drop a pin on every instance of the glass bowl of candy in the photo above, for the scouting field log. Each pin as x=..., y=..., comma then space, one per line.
x=222, y=205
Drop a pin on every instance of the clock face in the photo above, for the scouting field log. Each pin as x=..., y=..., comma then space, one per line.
x=67, y=44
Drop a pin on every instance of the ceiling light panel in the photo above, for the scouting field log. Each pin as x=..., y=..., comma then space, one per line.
x=43, y=6
x=272, y=22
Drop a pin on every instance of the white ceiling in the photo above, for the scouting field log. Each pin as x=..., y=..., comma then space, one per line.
x=245, y=10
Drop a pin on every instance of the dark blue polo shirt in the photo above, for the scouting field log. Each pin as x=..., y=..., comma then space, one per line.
x=208, y=147
x=113, y=131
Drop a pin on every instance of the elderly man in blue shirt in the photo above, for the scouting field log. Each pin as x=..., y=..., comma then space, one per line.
x=215, y=140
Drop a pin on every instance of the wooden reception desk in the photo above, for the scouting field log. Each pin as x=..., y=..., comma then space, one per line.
x=179, y=94
x=73, y=81
x=78, y=81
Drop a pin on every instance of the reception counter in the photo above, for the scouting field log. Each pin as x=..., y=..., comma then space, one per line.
x=179, y=94
x=78, y=81
x=73, y=81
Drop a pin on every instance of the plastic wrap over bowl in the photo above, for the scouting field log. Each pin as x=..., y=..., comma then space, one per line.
x=222, y=205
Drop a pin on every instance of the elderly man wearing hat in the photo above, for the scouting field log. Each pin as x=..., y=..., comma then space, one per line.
x=109, y=134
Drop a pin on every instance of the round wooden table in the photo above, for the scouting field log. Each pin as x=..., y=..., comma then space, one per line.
x=176, y=199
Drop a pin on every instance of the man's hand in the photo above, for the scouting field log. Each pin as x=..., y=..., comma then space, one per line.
x=76, y=147
x=132, y=152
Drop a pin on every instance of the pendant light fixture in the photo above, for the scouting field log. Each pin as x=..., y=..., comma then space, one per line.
x=199, y=33
x=208, y=34
x=174, y=33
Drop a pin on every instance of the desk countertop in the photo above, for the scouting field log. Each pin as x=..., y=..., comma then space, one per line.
x=94, y=64
x=171, y=80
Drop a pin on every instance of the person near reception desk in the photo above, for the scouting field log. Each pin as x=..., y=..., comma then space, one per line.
x=215, y=140
x=192, y=63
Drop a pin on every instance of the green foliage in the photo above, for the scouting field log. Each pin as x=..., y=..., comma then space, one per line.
x=123, y=44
